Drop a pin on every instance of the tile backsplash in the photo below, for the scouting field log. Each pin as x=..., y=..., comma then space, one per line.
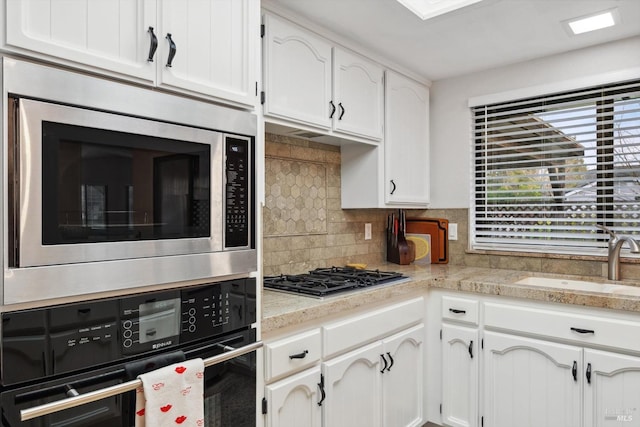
x=305, y=226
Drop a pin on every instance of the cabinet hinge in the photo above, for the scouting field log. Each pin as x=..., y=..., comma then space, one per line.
x=481, y=421
x=262, y=30
x=441, y=408
x=264, y=405
x=262, y=97
x=440, y=334
x=482, y=343
x=256, y=88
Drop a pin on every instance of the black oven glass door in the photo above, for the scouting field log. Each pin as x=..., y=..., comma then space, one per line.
x=229, y=392
x=106, y=186
x=97, y=186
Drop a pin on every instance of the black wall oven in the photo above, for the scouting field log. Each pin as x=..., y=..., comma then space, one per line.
x=111, y=187
x=52, y=353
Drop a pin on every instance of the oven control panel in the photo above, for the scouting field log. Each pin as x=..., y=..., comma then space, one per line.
x=48, y=341
x=237, y=200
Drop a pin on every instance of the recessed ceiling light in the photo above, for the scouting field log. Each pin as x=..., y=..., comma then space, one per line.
x=426, y=9
x=593, y=22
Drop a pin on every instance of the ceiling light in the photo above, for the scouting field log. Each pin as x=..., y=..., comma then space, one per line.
x=426, y=9
x=593, y=22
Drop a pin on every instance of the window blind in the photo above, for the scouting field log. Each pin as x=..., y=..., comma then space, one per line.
x=546, y=170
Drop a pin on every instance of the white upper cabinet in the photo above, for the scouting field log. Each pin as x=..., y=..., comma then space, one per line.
x=406, y=149
x=396, y=173
x=215, y=41
x=297, y=74
x=216, y=47
x=310, y=82
x=358, y=94
x=106, y=34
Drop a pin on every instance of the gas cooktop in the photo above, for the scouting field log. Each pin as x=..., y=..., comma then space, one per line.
x=329, y=281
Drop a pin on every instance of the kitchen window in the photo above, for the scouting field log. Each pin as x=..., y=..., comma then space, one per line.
x=547, y=169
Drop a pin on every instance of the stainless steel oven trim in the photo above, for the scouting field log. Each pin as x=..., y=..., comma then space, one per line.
x=33, y=253
x=37, y=285
x=71, y=402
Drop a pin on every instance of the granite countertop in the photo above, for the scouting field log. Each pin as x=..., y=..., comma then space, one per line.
x=280, y=310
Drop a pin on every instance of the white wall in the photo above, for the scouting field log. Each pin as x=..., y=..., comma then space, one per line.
x=450, y=115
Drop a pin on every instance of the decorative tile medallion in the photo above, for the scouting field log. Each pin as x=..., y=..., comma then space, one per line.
x=295, y=197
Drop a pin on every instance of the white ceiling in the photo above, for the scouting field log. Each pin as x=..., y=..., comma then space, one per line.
x=485, y=35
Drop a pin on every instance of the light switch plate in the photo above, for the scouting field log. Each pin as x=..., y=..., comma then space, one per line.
x=453, y=231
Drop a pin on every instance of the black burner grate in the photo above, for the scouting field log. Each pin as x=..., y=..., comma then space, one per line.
x=329, y=281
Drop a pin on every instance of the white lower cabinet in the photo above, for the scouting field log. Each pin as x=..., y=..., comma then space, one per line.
x=530, y=382
x=372, y=377
x=294, y=401
x=353, y=388
x=460, y=351
x=402, y=385
x=377, y=385
x=537, y=365
x=612, y=389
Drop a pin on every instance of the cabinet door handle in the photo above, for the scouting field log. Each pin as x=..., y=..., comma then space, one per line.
x=301, y=355
x=457, y=311
x=583, y=331
x=391, y=359
x=172, y=50
x=471, y=349
x=394, y=187
x=153, y=45
x=385, y=364
x=342, y=110
x=333, y=109
x=321, y=387
x=588, y=374
x=574, y=370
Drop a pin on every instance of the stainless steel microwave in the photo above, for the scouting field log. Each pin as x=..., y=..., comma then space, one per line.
x=111, y=187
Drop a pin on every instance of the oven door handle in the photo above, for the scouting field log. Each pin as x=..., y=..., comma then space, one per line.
x=92, y=396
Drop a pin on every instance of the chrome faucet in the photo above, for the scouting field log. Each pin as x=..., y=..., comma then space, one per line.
x=615, y=244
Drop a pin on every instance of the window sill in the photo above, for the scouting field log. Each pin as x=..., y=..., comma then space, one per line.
x=623, y=259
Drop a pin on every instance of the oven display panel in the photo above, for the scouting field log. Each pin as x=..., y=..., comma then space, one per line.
x=159, y=320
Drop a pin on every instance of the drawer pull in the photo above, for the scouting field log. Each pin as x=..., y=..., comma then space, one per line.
x=574, y=370
x=321, y=387
x=299, y=355
x=153, y=45
x=333, y=109
x=589, y=373
x=391, y=359
x=384, y=368
x=457, y=311
x=583, y=331
x=172, y=50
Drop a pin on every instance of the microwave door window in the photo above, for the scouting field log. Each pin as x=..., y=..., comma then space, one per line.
x=107, y=186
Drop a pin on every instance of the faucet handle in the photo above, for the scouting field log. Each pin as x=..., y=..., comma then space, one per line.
x=605, y=229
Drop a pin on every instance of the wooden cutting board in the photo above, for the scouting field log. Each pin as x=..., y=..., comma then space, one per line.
x=438, y=229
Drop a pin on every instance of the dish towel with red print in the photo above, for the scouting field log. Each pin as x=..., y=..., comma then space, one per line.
x=172, y=396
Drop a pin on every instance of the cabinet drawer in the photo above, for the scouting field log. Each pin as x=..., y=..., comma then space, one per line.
x=359, y=330
x=582, y=328
x=460, y=309
x=292, y=353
